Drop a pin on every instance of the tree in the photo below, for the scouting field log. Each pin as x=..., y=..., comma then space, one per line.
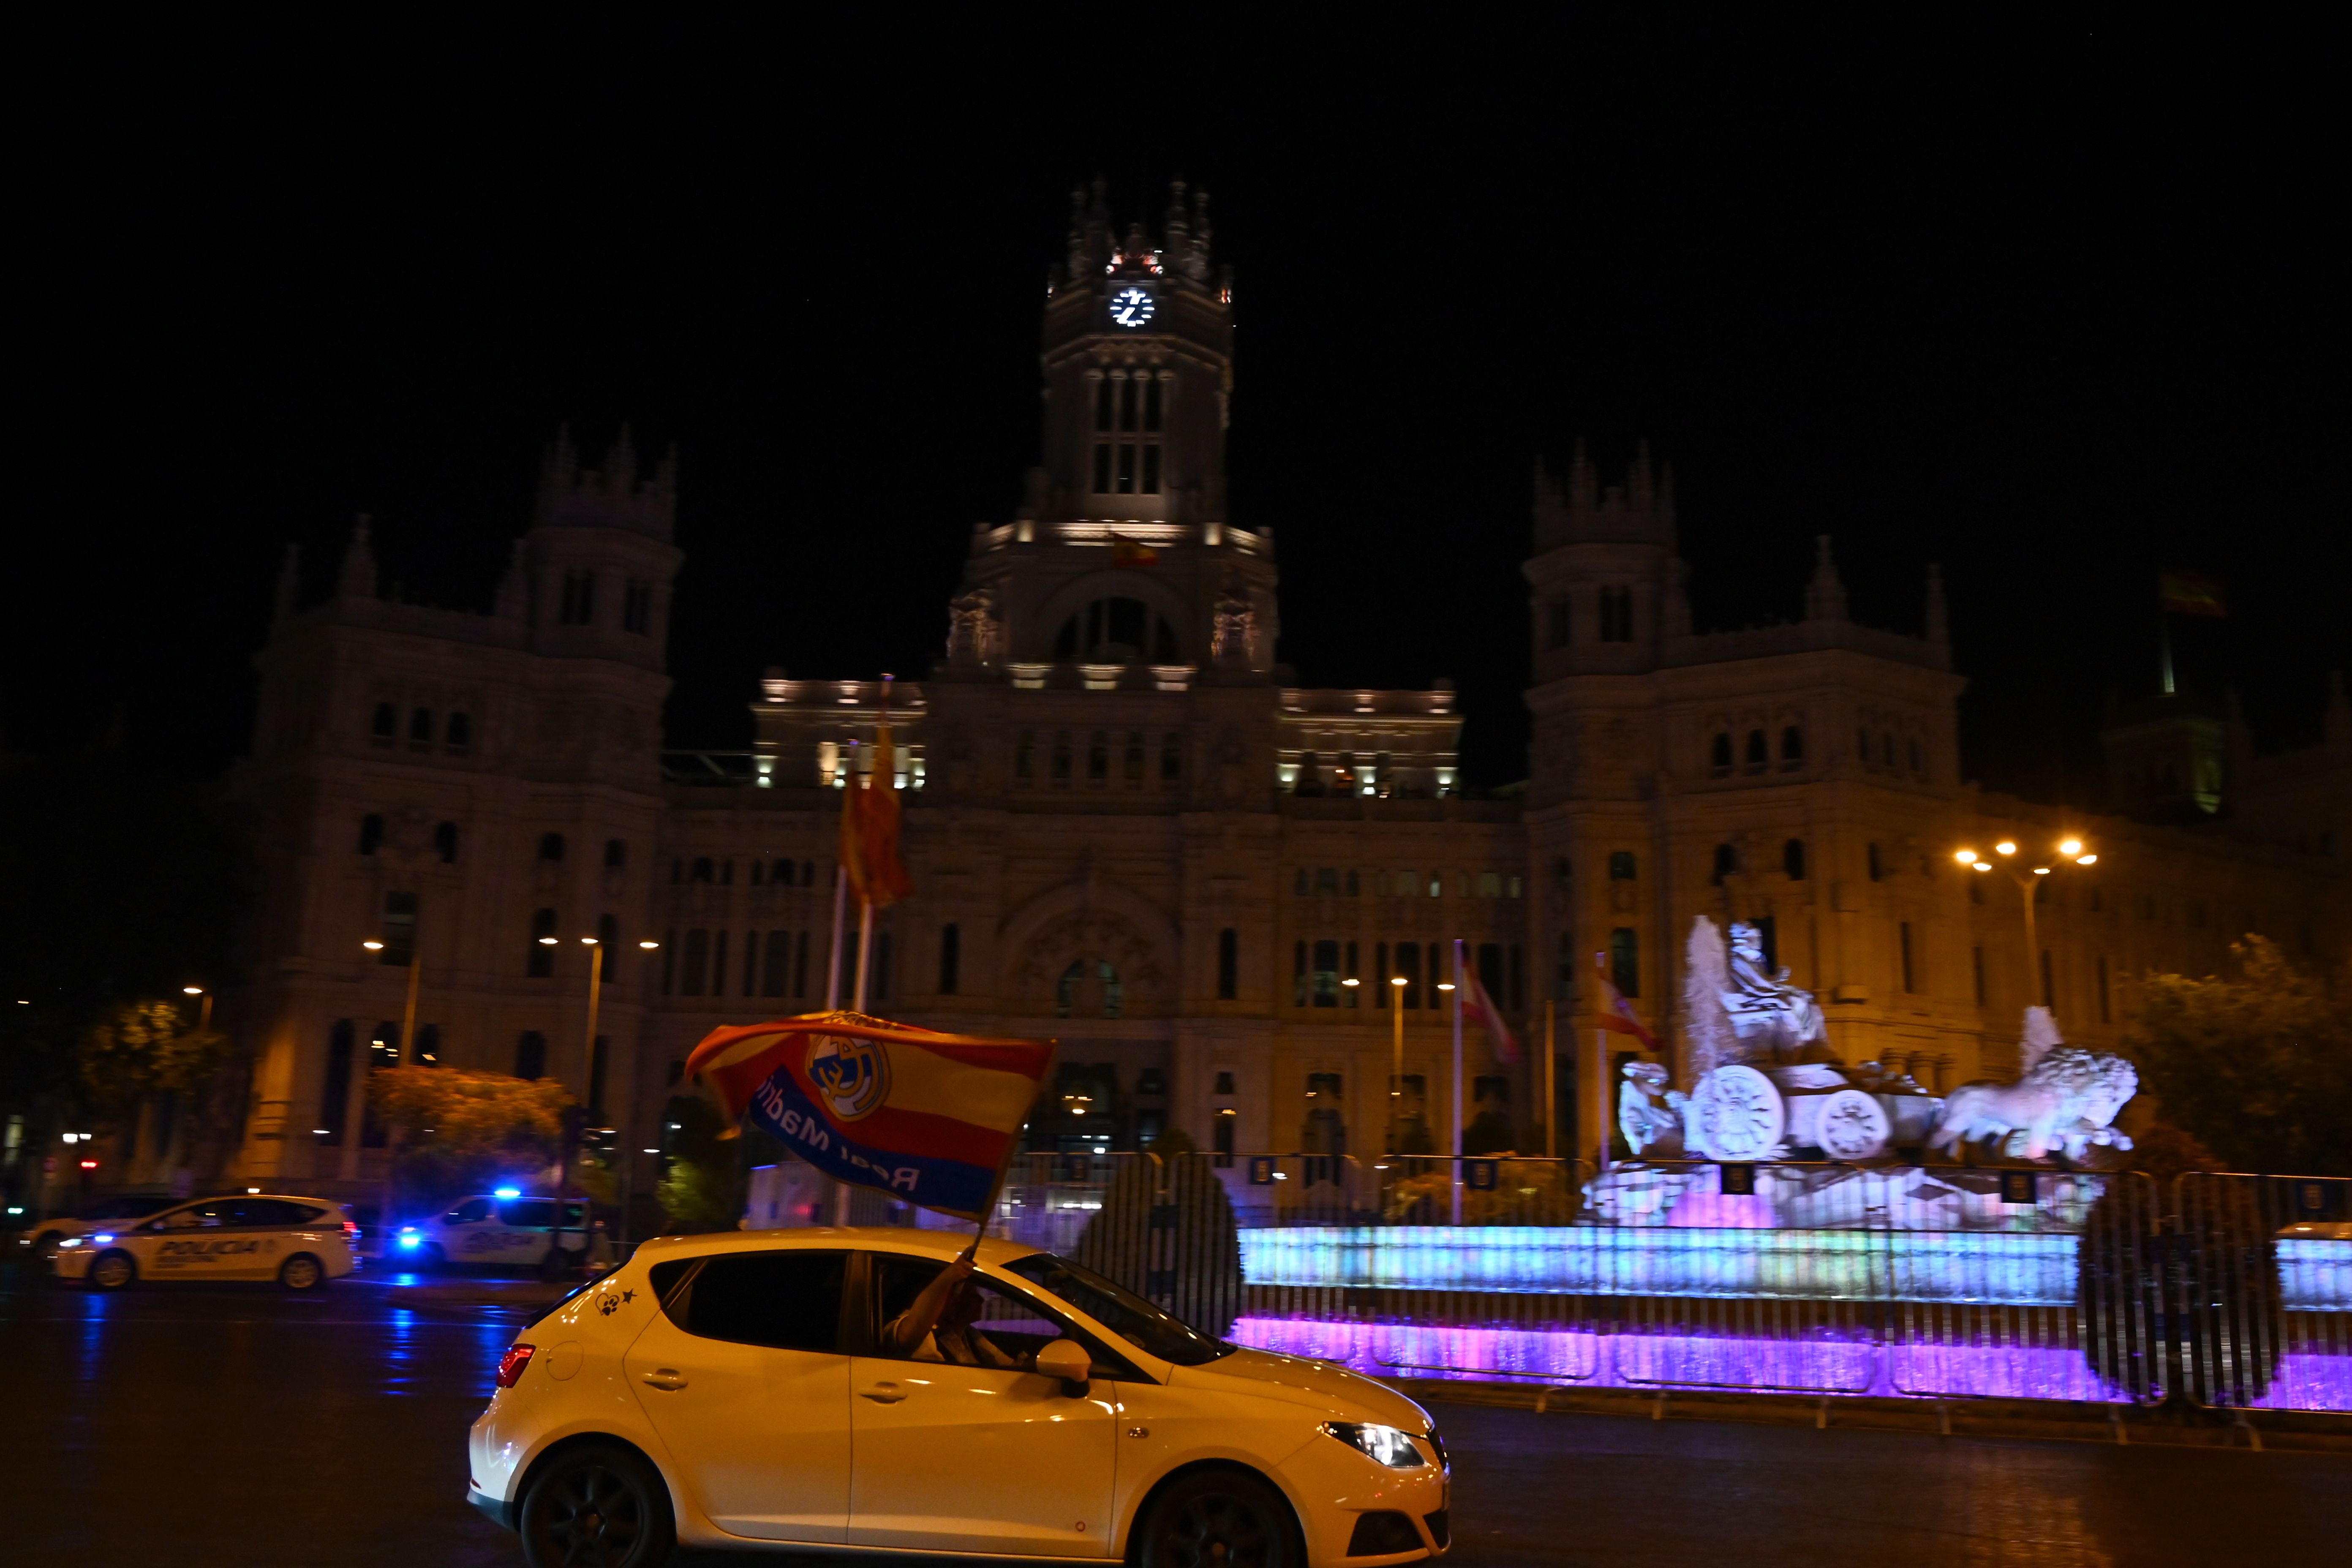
x=146, y=1049
x=469, y=1128
x=702, y=1187
x=2257, y=1069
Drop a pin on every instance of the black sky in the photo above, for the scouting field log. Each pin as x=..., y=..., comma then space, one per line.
x=2051, y=302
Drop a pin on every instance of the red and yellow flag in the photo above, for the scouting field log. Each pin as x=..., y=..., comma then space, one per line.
x=1126, y=552
x=2192, y=593
x=869, y=830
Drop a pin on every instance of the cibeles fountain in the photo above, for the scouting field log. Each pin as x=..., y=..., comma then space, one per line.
x=1827, y=1140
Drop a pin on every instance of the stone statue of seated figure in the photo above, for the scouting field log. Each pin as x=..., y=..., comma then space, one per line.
x=1652, y=1131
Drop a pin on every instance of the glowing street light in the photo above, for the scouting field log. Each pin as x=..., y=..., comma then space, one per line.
x=204, y=1012
x=2069, y=849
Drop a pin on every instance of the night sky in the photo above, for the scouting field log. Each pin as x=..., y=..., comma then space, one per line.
x=2053, y=304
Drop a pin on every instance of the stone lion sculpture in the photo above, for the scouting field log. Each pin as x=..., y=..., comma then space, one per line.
x=2067, y=1100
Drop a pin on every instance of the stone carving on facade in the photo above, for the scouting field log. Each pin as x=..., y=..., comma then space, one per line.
x=1091, y=939
x=1233, y=626
x=2067, y=1100
x=975, y=635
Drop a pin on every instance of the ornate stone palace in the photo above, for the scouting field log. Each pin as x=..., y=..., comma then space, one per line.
x=1128, y=830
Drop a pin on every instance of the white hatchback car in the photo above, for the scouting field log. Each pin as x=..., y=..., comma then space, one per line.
x=302, y=1243
x=732, y=1390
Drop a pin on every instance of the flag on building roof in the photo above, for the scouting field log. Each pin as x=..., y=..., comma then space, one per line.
x=2192, y=593
x=869, y=829
x=1616, y=1013
x=1480, y=1008
x=1125, y=552
x=928, y=1117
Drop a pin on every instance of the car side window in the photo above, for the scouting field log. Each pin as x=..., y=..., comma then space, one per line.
x=1012, y=1322
x=264, y=1214
x=528, y=1214
x=473, y=1211
x=788, y=1298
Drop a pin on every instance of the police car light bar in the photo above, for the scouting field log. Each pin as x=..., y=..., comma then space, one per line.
x=507, y=1192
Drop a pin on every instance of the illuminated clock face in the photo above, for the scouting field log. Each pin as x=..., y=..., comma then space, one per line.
x=1132, y=308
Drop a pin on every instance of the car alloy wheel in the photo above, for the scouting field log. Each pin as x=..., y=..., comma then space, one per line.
x=1220, y=1518
x=596, y=1507
x=113, y=1270
x=301, y=1272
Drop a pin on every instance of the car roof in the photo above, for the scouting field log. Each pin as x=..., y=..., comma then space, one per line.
x=940, y=1244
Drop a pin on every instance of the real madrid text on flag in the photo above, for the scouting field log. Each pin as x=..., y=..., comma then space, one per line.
x=926, y=1117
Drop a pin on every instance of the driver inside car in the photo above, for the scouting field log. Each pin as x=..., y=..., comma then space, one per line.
x=936, y=1325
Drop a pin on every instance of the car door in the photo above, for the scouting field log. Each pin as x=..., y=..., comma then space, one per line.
x=195, y=1241
x=742, y=1375
x=949, y=1458
x=461, y=1229
x=520, y=1234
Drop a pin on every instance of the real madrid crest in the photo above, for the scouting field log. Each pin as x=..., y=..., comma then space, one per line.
x=852, y=1075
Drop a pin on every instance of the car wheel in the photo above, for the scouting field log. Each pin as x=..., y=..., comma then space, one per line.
x=301, y=1272
x=1221, y=1519
x=112, y=1270
x=597, y=1506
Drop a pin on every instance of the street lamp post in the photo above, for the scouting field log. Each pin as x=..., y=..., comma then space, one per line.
x=203, y=1009
x=400, y=1053
x=2026, y=871
x=1396, y=1070
x=588, y=1059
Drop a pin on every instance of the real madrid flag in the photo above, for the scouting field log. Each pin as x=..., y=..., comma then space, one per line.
x=926, y=1117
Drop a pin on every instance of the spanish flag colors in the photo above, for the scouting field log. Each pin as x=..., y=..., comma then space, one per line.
x=869, y=830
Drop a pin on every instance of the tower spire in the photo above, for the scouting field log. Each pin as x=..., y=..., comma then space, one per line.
x=1825, y=594
x=357, y=580
x=289, y=585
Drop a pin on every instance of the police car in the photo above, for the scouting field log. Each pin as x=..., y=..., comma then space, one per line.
x=505, y=1227
x=302, y=1243
x=109, y=1214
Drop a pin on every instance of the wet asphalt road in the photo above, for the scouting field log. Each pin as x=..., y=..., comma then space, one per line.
x=237, y=1424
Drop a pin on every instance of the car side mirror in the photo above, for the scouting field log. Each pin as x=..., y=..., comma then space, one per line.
x=1067, y=1359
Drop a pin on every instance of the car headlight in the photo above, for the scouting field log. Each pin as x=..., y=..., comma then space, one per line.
x=1391, y=1447
x=65, y=1241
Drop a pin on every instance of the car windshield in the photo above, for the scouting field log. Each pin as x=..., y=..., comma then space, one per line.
x=126, y=1208
x=1142, y=1324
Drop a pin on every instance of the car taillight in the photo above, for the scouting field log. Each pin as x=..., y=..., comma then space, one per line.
x=510, y=1365
x=351, y=1231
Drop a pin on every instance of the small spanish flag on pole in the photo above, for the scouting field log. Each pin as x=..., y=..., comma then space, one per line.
x=1126, y=552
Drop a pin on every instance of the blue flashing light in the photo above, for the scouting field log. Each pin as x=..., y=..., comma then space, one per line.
x=508, y=1193
x=102, y=1237
x=410, y=1239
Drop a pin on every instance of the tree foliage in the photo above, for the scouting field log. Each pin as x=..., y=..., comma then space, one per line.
x=2257, y=1069
x=147, y=1048
x=465, y=1130
x=703, y=1186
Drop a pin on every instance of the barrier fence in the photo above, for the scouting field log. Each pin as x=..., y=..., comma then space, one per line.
x=2233, y=1292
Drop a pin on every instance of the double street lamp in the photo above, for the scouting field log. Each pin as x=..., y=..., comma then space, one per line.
x=2027, y=872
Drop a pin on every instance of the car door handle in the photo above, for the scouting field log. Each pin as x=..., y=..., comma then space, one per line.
x=885, y=1393
x=664, y=1379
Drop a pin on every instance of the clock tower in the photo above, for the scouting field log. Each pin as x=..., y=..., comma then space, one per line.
x=1138, y=361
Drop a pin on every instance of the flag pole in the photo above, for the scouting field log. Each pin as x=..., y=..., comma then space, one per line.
x=1458, y=1171
x=832, y=955
x=1551, y=1089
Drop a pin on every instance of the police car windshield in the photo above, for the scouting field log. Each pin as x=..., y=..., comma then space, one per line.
x=126, y=1208
x=1121, y=1311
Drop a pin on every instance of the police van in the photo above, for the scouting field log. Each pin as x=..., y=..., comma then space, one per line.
x=505, y=1227
x=302, y=1243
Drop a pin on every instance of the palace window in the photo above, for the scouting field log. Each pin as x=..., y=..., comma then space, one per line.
x=1099, y=758
x=445, y=842
x=637, y=608
x=1134, y=769
x=1061, y=756
x=1229, y=965
x=1759, y=755
x=1408, y=968
x=531, y=1055
x=696, y=979
x=1327, y=974
x=1718, y=760
x=617, y=854
x=608, y=937
x=1562, y=624
x=1129, y=411
x=1616, y=615
x=1910, y=957
x=420, y=730
x=457, y=735
x=951, y=958
x=1792, y=749
x=371, y=832
x=1117, y=630
x=1621, y=865
x=399, y=928
x=703, y=871
x=577, y=606
x=1727, y=864
x=551, y=847
x=383, y=726
x=776, y=963
x=1024, y=757
x=1625, y=961
x=1876, y=862
x=1793, y=859
x=1171, y=757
